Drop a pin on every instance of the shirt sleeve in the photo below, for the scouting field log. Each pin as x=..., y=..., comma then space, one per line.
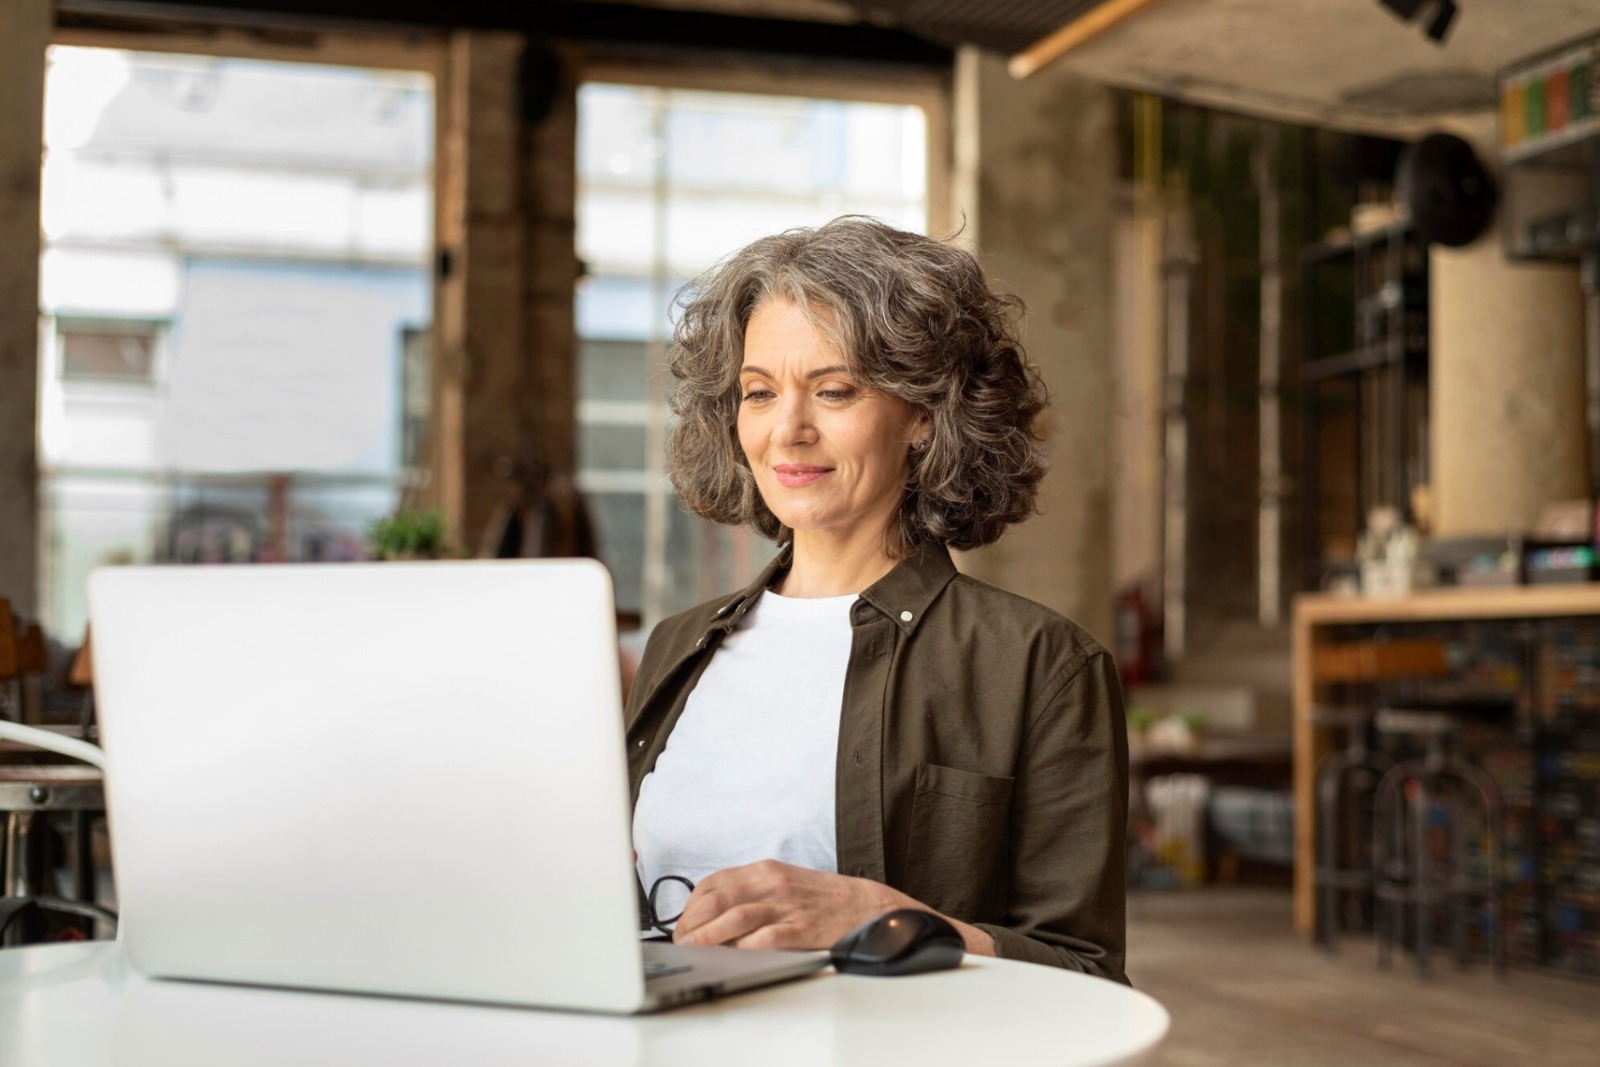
x=1065, y=904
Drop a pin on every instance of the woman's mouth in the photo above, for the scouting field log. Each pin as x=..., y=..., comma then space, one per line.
x=798, y=475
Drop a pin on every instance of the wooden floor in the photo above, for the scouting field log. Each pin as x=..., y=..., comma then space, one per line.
x=1244, y=990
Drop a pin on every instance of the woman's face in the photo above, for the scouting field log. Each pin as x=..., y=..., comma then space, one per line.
x=829, y=454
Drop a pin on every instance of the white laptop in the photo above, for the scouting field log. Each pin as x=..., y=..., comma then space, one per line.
x=398, y=778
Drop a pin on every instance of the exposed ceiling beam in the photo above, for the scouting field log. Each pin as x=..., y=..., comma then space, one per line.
x=1345, y=64
x=599, y=22
x=1085, y=27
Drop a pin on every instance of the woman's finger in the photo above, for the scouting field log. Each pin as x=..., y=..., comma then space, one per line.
x=777, y=936
x=721, y=890
x=702, y=906
x=737, y=922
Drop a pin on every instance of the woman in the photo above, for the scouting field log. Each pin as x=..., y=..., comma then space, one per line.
x=863, y=728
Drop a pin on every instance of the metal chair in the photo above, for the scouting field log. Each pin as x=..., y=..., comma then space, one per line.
x=1346, y=785
x=28, y=795
x=1419, y=799
x=31, y=794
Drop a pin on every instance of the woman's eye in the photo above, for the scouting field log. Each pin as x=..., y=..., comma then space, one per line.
x=837, y=394
x=758, y=394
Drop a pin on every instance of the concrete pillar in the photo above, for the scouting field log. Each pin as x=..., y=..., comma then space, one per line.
x=478, y=366
x=550, y=181
x=1036, y=181
x=1506, y=390
x=25, y=27
x=504, y=364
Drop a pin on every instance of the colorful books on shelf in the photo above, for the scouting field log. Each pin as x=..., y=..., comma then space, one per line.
x=1550, y=101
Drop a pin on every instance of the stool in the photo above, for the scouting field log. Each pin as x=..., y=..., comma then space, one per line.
x=1405, y=874
x=27, y=795
x=1344, y=780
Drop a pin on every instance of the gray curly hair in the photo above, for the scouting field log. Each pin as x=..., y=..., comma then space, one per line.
x=915, y=318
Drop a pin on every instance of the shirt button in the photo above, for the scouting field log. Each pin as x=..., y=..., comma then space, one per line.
x=905, y=616
x=641, y=744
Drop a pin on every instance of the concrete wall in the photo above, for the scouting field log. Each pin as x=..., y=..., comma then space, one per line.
x=1035, y=179
x=25, y=27
x=1507, y=390
x=1506, y=384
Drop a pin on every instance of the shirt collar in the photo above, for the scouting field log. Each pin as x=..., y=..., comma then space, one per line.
x=904, y=594
x=730, y=611
x=907, y=591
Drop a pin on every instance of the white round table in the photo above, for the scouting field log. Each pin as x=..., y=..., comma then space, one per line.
x=79, y=1005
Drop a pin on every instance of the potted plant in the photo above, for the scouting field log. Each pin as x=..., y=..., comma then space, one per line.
x=1140, y=719
x=408, y=534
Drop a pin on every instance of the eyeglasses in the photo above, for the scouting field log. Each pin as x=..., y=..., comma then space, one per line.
x=653, y=918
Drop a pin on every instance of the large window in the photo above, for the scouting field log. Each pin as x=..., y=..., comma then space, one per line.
x=236, y=296
x=670, y=182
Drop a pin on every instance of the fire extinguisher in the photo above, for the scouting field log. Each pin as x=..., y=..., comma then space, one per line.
x=1132, y=621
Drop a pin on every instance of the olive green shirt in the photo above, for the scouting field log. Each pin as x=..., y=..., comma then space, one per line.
x=983, y=756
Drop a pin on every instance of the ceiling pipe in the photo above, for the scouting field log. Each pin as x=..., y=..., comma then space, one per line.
x=1085, y=27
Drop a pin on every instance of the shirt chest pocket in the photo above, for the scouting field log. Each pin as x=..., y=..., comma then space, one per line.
x=960, y=827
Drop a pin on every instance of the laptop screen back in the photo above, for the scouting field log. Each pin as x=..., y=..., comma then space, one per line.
x=396, y=778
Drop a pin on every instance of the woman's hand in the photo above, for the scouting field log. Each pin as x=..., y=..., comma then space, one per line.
x=772, y=905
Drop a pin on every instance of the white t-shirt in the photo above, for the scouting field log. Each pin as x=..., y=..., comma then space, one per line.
x=748, y=772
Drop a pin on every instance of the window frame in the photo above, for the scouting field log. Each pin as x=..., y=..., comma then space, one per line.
x=927, y=89
x=158, y=330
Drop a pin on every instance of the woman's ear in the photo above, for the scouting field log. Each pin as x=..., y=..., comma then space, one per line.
x=920, y=432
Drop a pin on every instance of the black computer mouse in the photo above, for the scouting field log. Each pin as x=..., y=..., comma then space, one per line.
x=907, y=941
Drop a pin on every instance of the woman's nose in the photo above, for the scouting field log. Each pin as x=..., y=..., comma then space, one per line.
x=794, y=425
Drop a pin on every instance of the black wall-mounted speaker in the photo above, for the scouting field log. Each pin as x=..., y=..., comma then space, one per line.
x=1447, y=188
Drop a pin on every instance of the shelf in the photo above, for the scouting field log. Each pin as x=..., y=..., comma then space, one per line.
x=1572, y=149
x=1353, y=362
x=1511, y=602
x=1366, y=385
x=1327, y=250
x=1514, y=685
x=1411, y=294
x=1370, y=661
x=1562, y=235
